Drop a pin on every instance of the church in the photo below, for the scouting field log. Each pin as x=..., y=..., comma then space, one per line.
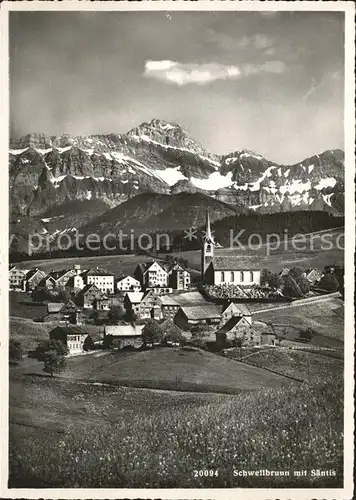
x=224, y=269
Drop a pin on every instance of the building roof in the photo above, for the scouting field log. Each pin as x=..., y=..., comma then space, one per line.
x=233, y=263
x=239, y=309
x=134, y=297
x=124, y=330
x=70, y=330
x=210, y=311
x=56, y=275
x=97, y=272
x=166, y=300
x=54, y=307
x=189, y=298
x=87, y=288
x=130, y=278
x=32, y=272
x=235, y=320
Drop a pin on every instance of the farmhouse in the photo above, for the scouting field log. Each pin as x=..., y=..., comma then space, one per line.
x=218, y=270
x=169, y=307
x=151, y=275
x=128, y=284
x=87, y=297
x=235, y=309
x=188, y=316
x=178, y=277
x=33, y=278
x=64, y=312
x=48, y=282
x=132, y=301
x=17, y=279
x=103, y=280
x=120, y=336
x=62, y=277
x=238, y=327
x=72, y=336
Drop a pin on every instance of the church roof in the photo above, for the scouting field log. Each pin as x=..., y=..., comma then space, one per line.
x=210, y=311
x=232, y=263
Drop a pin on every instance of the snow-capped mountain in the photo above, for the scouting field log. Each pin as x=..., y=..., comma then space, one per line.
x=160, y=157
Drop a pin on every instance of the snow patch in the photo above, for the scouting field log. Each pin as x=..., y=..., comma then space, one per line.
x=88, y=195
x=310, y=169
x=171, y=175
x=296, y=186
x=43, y=151
x=286, y=173
x=25, y=160
x=62, y=150
x=325, y=183
x=327, y=198
x=17, y=151
x=215, y=181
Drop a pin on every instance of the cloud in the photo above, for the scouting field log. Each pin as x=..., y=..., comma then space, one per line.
x=184, y=73
x=258, y=41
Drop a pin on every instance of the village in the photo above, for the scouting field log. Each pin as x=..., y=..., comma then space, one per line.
x=160, y=305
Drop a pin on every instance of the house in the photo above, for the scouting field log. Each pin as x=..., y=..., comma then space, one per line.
x=313, y=275
x=102, y=303
x=209, y=314
x=172, y=334
x=223, y=269
x=33, y=278
x=17, y=279
x=72, y=336
x=268, y=339
x=284, y=272
x=62, y=276
x=150, y=306
x=75, y=283
x=103, y=280
x=158, y=290
x=178, y=277
x=235, y=309
x=132, y=301
x=86, y=298
x=151, y=275
x=123, y=336
x=128, y=284
x=64, y=312
x=48, y=282
x=169, y=307
x=238, y=327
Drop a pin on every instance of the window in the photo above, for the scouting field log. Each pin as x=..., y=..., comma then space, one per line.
x=232, y=276
x=222, y=276
x=208, y=248
x=242, y=276
x=251, y=276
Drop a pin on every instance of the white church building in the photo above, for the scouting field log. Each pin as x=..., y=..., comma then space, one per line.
x=224, y=269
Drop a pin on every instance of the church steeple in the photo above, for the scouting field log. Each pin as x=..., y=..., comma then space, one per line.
x=208, y=243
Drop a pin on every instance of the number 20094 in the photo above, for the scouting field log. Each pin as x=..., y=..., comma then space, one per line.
x=206, y=473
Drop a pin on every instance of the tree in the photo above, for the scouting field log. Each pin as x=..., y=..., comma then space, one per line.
x=198, y=331
x=152, y=332
x=116, y=313
x=39, y=295
x=306, y=334
x=94, y=316
x=15, y=351
x=304, y=285
x=53, y=362
x=329, y=283
x=272, y=279
x=88, y=344
x=54, y=356
x=291, y=287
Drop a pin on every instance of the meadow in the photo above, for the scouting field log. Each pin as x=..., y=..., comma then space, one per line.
x=67, y=434
x=302, y=365
x=170, y=368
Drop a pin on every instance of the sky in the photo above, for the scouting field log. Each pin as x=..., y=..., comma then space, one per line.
x=268, y=82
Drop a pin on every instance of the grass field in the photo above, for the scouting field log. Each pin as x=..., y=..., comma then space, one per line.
x=66, y=434
x=326, y=318
x=22, y=306
x=305, y=366
x=165, y=368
